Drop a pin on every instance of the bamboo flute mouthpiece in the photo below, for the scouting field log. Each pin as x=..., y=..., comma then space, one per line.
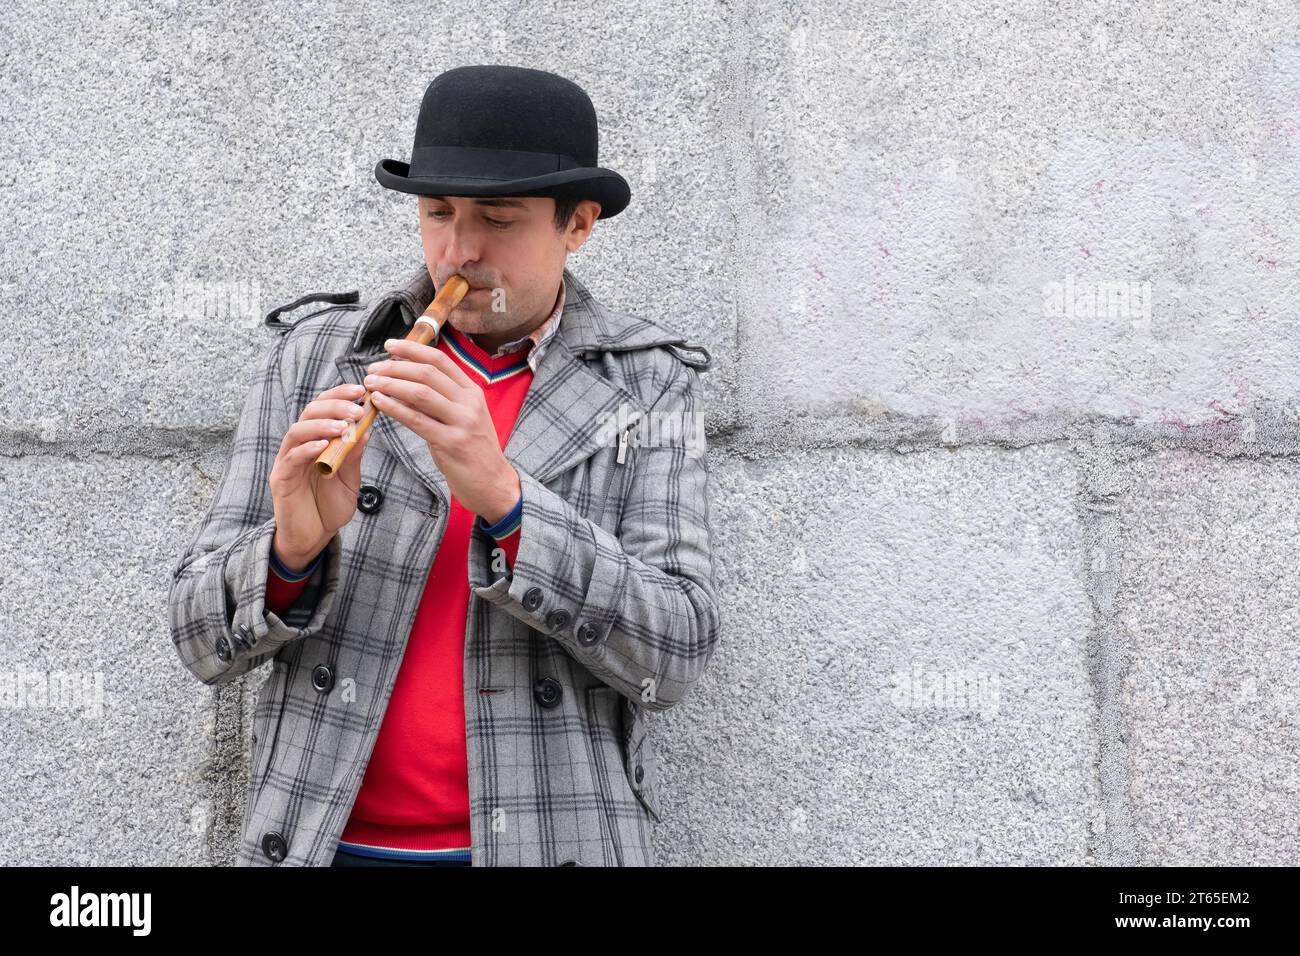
x=424, y=330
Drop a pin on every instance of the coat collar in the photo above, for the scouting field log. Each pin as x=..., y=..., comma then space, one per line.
x=568, y=409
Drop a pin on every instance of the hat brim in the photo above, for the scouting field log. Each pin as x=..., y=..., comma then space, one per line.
x=602, y=185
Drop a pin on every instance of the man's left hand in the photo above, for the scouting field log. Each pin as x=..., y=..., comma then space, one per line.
x=424, y=389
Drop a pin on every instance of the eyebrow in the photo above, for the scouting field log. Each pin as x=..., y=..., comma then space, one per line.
x=515, y=203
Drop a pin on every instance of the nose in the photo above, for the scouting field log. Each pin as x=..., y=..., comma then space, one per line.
x=462, y=247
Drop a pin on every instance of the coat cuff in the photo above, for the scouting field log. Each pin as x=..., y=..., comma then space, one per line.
x=242, y=624
x=568, y=575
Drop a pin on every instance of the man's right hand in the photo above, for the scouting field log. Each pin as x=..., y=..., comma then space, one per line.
x=310, y=508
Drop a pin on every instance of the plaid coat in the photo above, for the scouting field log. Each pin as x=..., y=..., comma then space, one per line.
x=609, y=612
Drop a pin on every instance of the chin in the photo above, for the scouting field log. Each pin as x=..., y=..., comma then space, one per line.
x=466, y=320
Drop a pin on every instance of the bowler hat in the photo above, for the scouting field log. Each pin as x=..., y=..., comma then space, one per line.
x=506, y=131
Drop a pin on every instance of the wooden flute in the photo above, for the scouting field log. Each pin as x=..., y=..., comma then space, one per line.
x=424, y=330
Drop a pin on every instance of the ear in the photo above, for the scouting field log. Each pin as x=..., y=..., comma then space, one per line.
x=584, y=218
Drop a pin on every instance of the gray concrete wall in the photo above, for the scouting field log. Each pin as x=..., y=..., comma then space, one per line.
x=1004, y=424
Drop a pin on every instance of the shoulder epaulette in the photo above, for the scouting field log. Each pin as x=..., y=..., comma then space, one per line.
x=273, y=318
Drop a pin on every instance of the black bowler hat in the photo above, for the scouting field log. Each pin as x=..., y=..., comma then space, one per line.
x=506, y=131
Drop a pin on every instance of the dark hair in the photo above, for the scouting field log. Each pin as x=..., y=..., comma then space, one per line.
x=564, y=208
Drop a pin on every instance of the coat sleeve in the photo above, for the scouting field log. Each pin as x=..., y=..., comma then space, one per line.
x=220, y=625
x=640, y=611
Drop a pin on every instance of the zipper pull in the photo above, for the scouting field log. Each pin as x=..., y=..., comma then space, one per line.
x=622, y=444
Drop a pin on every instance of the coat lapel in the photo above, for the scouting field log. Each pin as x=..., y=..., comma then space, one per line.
x=567, y=415
x=569, y=411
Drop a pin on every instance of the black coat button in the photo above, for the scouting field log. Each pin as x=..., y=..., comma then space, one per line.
x=322, y=678
x=639, y=773
x=548, y=691
x=274, y=846
x=586, y=634
x=245, y=636
x=369, y=498
x=224, y=650
x=557, y=619
x=570, y=863
x=533, y=598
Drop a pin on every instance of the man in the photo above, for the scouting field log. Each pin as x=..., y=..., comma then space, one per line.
x=466, y=632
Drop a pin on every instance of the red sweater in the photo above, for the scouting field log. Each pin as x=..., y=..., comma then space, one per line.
x=415, y=794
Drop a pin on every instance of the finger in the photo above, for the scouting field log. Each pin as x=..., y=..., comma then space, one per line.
x=306, y=430
x=345, y=390
x=332, y=408
x=418, y=373
x=424, y=426
x=416, y=395
x=311, y=430
x=306, y=453
x=428, y=355
x=411, y=351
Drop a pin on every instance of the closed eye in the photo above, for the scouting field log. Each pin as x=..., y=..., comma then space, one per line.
x=497, y=223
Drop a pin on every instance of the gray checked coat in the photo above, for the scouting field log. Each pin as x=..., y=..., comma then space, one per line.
x=609, y=612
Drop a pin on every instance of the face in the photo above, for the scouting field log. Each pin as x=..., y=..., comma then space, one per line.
x=509, y=247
